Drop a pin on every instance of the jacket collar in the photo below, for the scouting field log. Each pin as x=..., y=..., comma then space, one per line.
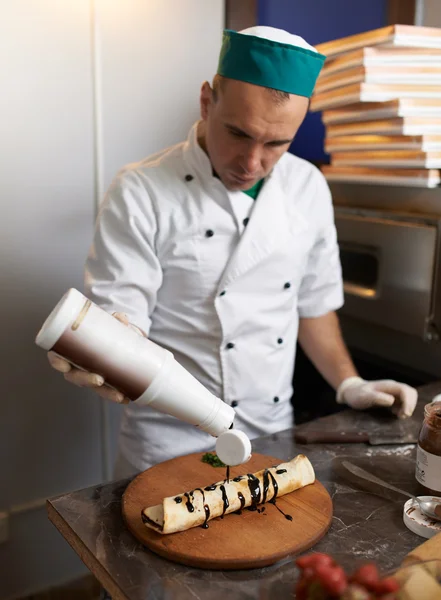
x=269, y=229
x=195, y=157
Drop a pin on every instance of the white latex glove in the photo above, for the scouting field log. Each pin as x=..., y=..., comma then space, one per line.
x=91, y=380
x=360, y=394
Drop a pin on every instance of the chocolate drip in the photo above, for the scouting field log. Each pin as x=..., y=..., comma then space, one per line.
x=238, y=478
x=224, y=499
x=265, y=485
x=207, y=516
x=254, y=487
x=280, y=510
x=210, y=488
x=178, y=500
x=275, y=486
x=242, y=503
x=189, y=503
x=273, y=499
x=280, y=471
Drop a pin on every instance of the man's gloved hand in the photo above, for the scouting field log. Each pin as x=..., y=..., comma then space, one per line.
x=360, y=394
x=91, y=380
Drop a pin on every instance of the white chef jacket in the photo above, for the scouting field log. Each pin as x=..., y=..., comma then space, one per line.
x=218, y=279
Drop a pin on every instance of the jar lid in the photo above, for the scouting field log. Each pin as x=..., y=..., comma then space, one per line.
x=418, y=522
x=233, y=447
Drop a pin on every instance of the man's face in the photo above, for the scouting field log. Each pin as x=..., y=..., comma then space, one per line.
x=247, y=129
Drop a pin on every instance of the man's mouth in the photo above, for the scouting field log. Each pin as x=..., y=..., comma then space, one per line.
x=242, y=180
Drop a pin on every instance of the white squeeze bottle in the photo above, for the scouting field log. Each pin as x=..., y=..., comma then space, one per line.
x=91, y=339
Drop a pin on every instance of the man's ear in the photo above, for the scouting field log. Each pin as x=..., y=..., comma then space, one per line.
x=206, y=99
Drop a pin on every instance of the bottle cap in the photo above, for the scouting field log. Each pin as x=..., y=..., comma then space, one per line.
x=233, y=447
x=62, y=316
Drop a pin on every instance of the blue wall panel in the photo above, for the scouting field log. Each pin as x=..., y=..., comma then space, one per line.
x=320, y=21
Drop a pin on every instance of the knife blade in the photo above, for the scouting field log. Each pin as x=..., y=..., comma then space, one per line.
x=353, y=437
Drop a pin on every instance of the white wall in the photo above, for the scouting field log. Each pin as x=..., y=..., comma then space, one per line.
x=68, y=123
x=152, y=83
x=431, y=13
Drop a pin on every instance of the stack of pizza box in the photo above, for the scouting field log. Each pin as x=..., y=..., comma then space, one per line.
x=380, y=93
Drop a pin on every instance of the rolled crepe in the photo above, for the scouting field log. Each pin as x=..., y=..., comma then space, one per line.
x=197, y=507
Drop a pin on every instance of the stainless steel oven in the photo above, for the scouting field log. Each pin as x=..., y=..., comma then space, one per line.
x=390, y=245
x=391, y=265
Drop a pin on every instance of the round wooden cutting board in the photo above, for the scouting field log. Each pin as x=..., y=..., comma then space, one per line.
x=244, y=541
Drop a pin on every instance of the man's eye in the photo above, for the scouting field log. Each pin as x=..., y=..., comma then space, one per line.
x=236, y=134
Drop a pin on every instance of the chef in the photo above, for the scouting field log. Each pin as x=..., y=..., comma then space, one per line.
x=223, y=250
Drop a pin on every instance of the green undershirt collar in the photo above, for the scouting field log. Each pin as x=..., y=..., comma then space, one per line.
x=254, y=191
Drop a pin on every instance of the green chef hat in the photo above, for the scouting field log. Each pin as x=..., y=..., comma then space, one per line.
x=271, y=58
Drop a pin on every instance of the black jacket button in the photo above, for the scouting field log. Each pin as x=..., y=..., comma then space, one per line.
x=245, y=221
x=276, y=399
x=230, y=345
x=209, y=233
x=234, y=403
x=189, y=178
x=287, y=285
x=280, y=341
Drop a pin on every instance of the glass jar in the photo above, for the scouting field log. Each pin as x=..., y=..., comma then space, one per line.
x=428, y=462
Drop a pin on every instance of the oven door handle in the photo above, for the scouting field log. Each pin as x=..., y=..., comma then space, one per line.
x=361, y=269
x=358, y=290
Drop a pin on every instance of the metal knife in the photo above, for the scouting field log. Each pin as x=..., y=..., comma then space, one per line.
x=353, y=437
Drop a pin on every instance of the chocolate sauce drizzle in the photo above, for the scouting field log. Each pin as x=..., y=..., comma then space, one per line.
x=224, y=500
x=289, y=517
x=189, y=503
x=242, y=502
x=257, y=494
x=265, y=485
x=275, y=486
x=207, y=516
x=273, y=499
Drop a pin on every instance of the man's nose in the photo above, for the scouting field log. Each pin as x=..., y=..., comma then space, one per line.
x=252, y=159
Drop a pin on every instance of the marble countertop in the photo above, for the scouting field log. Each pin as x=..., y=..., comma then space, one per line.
x=367, y=523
